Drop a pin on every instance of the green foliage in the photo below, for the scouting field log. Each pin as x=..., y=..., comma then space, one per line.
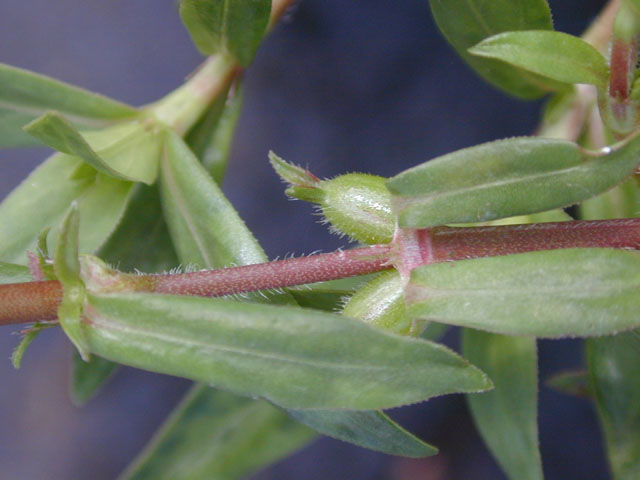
x=262, y=350
x=614, y=365
x=217, y=435
x=554, y=55
x=67, y=269
x=141, y=189
x=553, y=293
x=230, y=27
x=465, y=23
x=507, y=415
x=26, y=95
x=504, y=178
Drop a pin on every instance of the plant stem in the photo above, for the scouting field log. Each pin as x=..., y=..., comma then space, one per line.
x=282, y=273
x=441, y=244
x=29, y=302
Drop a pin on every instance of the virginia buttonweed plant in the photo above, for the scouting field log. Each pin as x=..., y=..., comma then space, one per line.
x=124, y=240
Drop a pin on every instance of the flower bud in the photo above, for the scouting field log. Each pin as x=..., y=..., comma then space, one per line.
x=380, y=303
x=355, y=204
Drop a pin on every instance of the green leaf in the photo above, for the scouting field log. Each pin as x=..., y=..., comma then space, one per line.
x=614, y=366
x=262, y=350
x=39, y=201
x=10, y=273
x=142, y=224
x=507, y=415
x=25, y=96
x=555, y=55
x=464, y=23
x=620, y=202
x=218, y=436
x=205, y=228
x=88, y=377
x=373, y=430
x=517, y=176
x=210, y=140
x=130, y=150
x=67, y=270
x=233, y=27
x=553, y=293
x=25, y=341
x=188, y=195
x=571, y=383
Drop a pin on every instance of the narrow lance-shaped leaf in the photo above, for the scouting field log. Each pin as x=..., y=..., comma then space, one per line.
x=614, y=366
x=239, y=246
x=369, y=429
x=507, y=415
x=126, y=147
x=554, y=293
x=266, y=350
x=26, y=95
x=510, y=177
x=464, y=23
x=555, y=55
x=201, y=220
x=233, y=27
x=218, y=436
x=67, y=270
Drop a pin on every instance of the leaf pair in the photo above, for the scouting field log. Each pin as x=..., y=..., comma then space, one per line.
x=512, y=45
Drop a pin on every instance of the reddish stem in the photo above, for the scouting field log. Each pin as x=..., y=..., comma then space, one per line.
x=441, y=244
x=29, y=302
x=282, y=273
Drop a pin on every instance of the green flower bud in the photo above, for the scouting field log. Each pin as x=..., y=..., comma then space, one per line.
x=380, y=303
x=355, y=204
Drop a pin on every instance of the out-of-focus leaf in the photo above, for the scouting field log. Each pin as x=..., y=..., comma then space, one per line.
x=42, y=199
x=507, y=415
x=142, y=224
x=231, y=27
x=201, y=220
x=67, y=270
x=620, y=202
x=25, y=341
x=88, y=377
x=26, y=95
x=215, y=435
x=127, y=152
x=210, y=139
x=554, y=293
x=517, y=176
x=465, y=23
x=571, y=383
x=373, y=430
x=11, y=273
x=39, y=201
x=555, y=55
x=262, y=350
x=614, y=366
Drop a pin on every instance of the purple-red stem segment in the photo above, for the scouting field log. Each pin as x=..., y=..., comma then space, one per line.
x=34, y=301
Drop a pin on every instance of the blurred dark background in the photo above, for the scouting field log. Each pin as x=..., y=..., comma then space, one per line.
x=339, y=86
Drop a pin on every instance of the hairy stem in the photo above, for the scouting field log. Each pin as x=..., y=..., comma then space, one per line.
x=29, y=302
